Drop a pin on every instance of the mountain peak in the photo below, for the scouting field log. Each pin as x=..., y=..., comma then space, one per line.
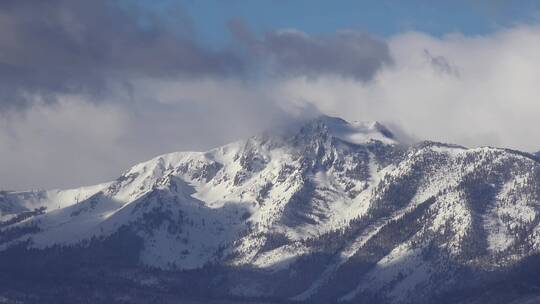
x=357, y=221
x=357, y=132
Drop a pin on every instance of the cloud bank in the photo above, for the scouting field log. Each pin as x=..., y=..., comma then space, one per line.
x=468, y=90
x=88, y=88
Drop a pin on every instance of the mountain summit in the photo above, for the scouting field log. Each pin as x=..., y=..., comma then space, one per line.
x=327, y=211
x=355, y=132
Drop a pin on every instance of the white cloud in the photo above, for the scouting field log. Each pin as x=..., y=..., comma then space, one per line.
x=65, y=144
x=75, y=142
x=485, y=94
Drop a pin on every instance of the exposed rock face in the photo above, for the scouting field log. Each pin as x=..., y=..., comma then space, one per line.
x=326, y=212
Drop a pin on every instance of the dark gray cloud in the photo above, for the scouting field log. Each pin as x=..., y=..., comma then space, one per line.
x=90, y=47
x=78, y=46
x=290, y=52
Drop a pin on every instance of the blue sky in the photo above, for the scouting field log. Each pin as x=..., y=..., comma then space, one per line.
x=383, y=18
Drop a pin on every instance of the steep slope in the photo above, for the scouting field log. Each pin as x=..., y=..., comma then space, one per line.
x=325, y=211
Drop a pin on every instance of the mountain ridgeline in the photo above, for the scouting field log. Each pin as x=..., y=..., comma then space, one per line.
x=324, y=212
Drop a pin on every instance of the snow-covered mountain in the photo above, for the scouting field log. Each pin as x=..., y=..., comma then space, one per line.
x=324, y=211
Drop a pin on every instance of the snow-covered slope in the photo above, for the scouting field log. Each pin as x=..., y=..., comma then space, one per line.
x=342, y=205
